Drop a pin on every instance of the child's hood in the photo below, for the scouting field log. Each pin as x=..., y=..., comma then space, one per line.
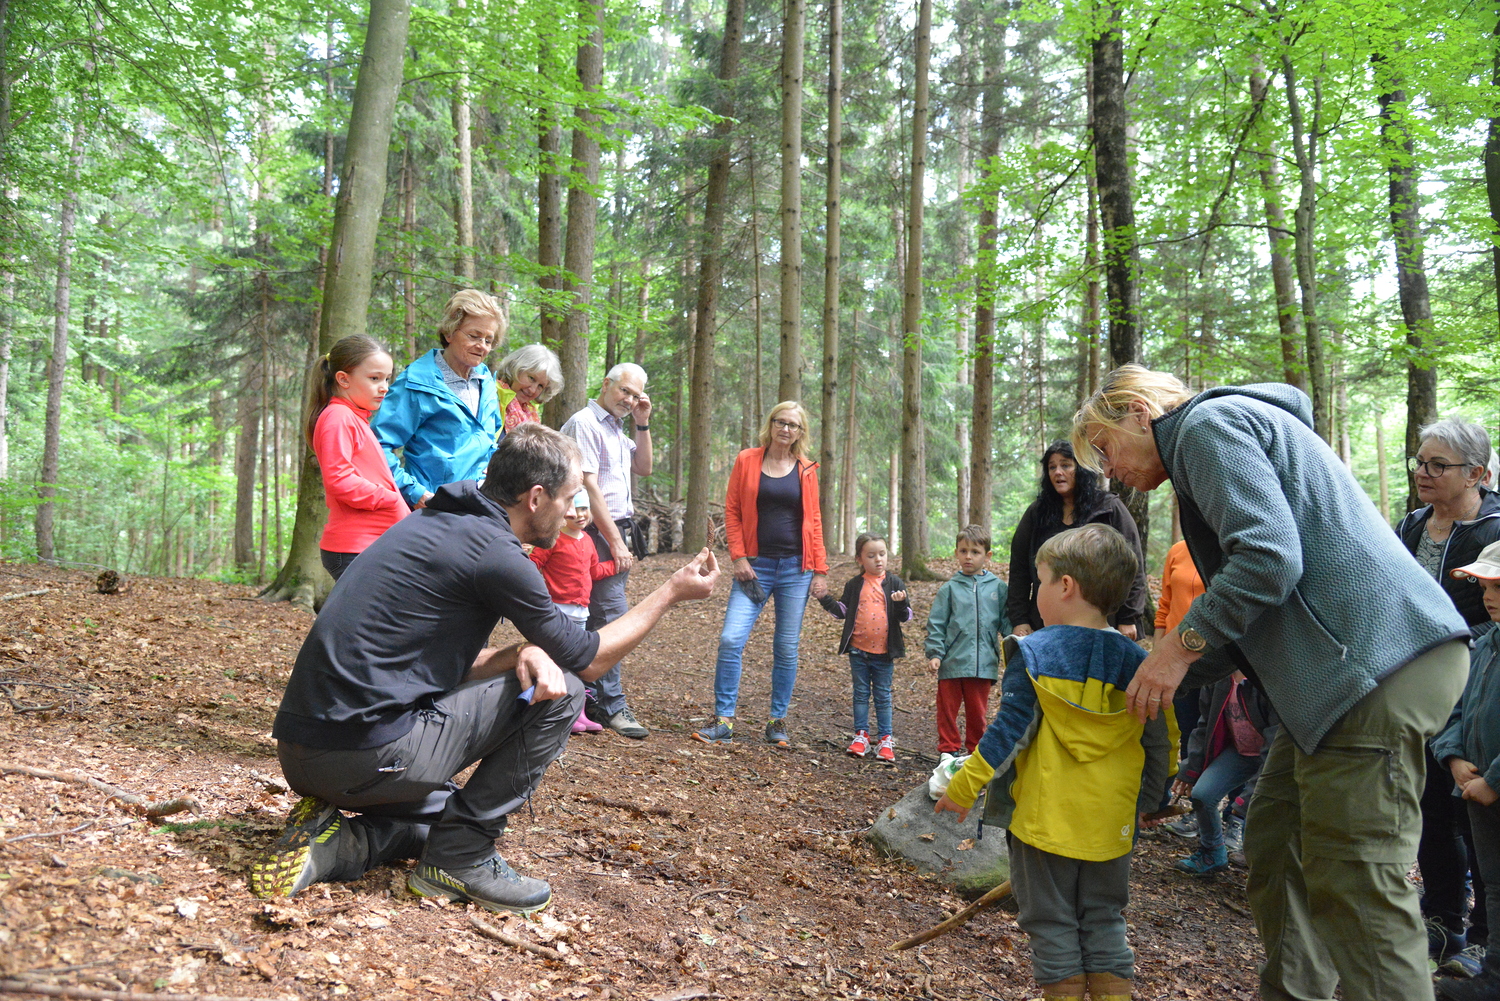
x=1080, y=676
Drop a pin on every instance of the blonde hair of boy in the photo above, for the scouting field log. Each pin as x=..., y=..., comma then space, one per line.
x=1098, y=558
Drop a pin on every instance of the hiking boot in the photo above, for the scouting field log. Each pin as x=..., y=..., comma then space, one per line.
x=1075, y=986
x=1234, y=833
x=1467, y=962
x=492, y=884
x=887, y=750
x=1238, y=859
x=860, y=745
x=1204, y=862
x=776, y=733
x=1442, y=942
x=721, y=732
x=1185, y=826
x=1108, y=987
x=1481, y=988
x=306, y=852
x=626, y=725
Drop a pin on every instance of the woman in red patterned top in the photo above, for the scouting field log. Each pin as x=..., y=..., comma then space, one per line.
x=526, y=378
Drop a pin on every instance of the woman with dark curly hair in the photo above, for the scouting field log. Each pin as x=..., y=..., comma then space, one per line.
x=1070, y=495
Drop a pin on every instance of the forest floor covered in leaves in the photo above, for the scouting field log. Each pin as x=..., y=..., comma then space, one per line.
x=679, y=870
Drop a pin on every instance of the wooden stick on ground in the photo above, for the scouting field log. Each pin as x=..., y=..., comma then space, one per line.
x=25, y=594
x=961, y=918
x=88, y=994
x=515, y=943
x=137, y=804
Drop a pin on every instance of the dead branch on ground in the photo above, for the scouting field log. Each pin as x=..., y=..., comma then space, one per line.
x=515, y=943
x=961, y=918
x=133, y=802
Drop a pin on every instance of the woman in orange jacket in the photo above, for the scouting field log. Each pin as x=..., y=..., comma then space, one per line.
x=775, y=531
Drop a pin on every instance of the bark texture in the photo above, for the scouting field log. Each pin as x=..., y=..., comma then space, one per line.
x=789, y=385
x=913, y=466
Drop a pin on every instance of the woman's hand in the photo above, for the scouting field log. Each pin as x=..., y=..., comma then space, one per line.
x=1023, y=630
x=743, y=570
x=820, y=585
x=1157, y=678
x=898, y=595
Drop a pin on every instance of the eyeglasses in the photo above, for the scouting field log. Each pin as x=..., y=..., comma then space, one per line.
x=782, y=425
x=1098, y=449
x=1434, y=467
x=488, y=342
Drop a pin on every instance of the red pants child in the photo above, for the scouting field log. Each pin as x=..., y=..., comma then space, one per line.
x=974, y=695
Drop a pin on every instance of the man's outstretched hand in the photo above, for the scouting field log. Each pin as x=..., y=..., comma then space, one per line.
x=696, y=579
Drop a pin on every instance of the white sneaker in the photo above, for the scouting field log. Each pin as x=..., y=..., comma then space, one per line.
x=947, y=767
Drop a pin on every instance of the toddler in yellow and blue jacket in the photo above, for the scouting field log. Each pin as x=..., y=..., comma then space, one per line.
x=1069, y=770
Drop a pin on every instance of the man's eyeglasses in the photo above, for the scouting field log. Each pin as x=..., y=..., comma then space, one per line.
x=1434, y=467
x=782, y=425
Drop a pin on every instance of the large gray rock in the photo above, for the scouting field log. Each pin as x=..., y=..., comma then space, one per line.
x=938, y=843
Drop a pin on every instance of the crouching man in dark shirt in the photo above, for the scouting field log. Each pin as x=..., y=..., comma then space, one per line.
x=394, y=692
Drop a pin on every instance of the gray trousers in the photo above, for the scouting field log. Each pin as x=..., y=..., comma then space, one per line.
x=1073, y=911
x=1485, y=822
x=404, y=793
x=606, y=604
x=1330, y=836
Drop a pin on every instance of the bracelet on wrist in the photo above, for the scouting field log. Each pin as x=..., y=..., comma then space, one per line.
x=643, y=427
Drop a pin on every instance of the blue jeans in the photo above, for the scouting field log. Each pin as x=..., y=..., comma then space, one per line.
x=1224, y=774
x=606, y=604
x=785, y=582
x=871, y=672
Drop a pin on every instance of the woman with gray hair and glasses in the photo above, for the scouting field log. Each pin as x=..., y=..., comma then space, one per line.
x=1460, y=517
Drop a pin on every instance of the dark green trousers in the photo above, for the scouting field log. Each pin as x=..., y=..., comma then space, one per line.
x=1331, y=835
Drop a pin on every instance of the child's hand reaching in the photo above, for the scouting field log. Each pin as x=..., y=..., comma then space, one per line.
x=934, y=664
x=946, y=805
x=898, y=595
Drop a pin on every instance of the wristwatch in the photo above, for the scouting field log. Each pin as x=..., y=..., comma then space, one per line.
x=643, y=427
x=1192, y=639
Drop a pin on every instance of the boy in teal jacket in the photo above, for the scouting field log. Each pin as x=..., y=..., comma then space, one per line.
x=963, y=644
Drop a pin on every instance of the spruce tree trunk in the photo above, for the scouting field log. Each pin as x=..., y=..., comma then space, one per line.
x=549, y=236
x=7, y=273
x=1293, y=372
x=57, y=364
x=1122, y=258
x=1492, y=171
x=789, y=386
x=828, y=424
x=582, y=231
x=464, y=167
x=710, y=277
x=1304, y=146
x=351, y=260
x=1411, y=270
x=913, y=468
x=982, y=419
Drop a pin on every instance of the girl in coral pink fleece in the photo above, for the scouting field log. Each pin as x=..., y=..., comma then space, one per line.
x=348, y=385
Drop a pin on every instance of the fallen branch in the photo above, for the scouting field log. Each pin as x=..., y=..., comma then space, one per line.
x=615, y=804
x=86, y=994
x=686, y=994
x=961, y=918
x=25, y=594
x=718, y=889
x=49, y=834
x=515, y=943
x=1237, y=909
x=136, y=804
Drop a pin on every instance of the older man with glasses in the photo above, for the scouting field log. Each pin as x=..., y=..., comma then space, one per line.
x=614, y=434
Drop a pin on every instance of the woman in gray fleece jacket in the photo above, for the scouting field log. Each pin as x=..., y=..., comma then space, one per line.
x=1362, y=654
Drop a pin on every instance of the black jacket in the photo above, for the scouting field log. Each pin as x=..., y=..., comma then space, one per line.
x=405, y=622
x=1020, y=601
x=896, y=612
x=1211, y=701
x=1463, y=547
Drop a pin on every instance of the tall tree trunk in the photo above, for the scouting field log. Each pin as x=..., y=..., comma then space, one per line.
x=789, y=386
x=246, y=454
x=1304, y=146
x=913, y=469
x=464, y=154
x=1122, y=257
x=1411, y=269
x=1383, y=467
x=849, y=521
x=583, y=215
x=57, y=364
x=833, y=248
x=1492, y=168
x=351, y=260
x=616, y=279
x=1292, y=370
x=710, y=271
x=409, y=237
x=760, y=392
x=10, y=194
x=549, y=208
x=982, y=419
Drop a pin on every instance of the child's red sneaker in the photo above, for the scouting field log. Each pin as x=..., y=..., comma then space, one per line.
x=887, y=750
x=860, y=746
